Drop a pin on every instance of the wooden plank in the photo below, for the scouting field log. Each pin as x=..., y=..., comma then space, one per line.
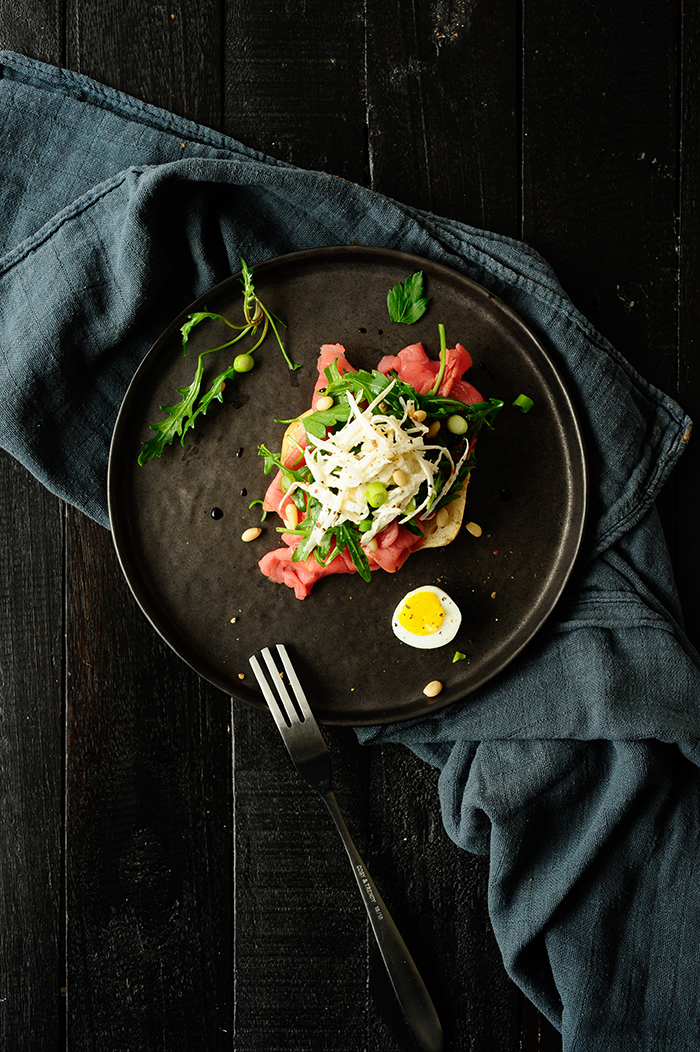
x=294, y=82
x=166, y=54
x=603, y=216
x=600, y=176
x=32, y=974
x=31, y=750
x=687, y=490
x=34, y=28
x=442, y=96
x=300, y=927
x=148, y=824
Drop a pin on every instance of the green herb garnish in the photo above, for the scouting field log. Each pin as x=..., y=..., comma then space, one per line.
x=443, y=360
x=406, y=303
x=262, y=505
x=459, y=656
x=182, y=415
x=523, y=403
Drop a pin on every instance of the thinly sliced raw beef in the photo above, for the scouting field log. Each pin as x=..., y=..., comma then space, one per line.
x=414, y=367
x=395, y=543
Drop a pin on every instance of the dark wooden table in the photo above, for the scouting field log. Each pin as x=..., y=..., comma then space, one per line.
x=159, y=859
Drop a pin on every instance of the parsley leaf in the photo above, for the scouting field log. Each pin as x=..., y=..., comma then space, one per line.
x=406, y=303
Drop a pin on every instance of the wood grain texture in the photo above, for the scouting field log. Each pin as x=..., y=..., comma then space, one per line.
x=600, y=187
x=294, y=75
x=35, y=28
x=31, y=751
x=300, y=929
x=165, y=54
x=442, y=107
x=600, y=168
x=148, y=825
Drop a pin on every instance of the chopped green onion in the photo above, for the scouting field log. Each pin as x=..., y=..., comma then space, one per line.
x=376, y=494
x=459, y=656
x=523, y=403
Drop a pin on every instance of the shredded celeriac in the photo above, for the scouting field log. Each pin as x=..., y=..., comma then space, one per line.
x=370, y=447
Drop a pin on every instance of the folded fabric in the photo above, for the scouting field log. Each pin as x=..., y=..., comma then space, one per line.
x=576, y=769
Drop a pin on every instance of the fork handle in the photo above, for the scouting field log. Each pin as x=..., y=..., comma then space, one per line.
x=409, y=987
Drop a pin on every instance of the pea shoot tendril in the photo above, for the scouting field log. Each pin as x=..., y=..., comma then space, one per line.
x=182, y=415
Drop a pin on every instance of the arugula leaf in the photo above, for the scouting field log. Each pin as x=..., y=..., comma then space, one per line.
x=176, y=420
x=406, y=303
x=182, y=416
x=348, y=537
x=316, y=424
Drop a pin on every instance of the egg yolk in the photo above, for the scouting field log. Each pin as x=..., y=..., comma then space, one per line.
x=422, y=614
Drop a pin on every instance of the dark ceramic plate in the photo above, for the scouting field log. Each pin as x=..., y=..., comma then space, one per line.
x=200, y=585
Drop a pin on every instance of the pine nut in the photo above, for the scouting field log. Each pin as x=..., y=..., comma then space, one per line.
x=324, y=403
x=433, y=688
x=400, y=477
x=474, y=529
x=292, y=517
x=419, y=415
x=442, y=517
x=433, y=429
x=251, y=534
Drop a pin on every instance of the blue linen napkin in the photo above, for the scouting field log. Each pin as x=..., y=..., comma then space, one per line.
x=576, y=770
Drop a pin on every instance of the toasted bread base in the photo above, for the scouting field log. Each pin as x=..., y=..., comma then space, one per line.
x=293, y=440
x=438, y=536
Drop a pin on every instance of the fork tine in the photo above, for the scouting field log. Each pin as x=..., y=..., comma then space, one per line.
x=262, y=683
x=276, y=707
x=285, y=701
x=302, y=703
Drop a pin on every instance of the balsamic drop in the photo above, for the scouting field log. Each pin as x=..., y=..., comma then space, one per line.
x=217, y=513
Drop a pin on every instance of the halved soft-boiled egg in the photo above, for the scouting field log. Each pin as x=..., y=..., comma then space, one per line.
x=426, y=618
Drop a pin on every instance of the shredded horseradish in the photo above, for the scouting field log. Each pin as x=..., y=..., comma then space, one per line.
x=369, y=448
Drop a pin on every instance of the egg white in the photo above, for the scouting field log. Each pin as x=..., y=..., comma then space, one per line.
x=443, y=635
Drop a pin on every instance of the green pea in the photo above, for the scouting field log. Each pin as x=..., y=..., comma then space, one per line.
x=457, y=424
x=243, y=363
x=376, y=494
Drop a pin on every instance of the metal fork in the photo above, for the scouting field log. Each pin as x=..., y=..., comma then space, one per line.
x=311, y=757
